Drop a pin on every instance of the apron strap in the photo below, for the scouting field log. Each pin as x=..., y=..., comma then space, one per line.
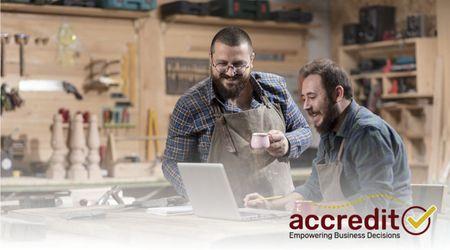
x=341, y=150
x=265, y=100
x=217, y=111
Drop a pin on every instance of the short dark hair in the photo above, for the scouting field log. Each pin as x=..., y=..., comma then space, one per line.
x=231, y=36
x=331, y=74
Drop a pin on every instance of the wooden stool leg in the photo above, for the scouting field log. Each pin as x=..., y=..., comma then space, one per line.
x=77, y=170
x=93, y=167
x=56, y=169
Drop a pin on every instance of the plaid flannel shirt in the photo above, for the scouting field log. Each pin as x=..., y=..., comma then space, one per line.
x=192, y=123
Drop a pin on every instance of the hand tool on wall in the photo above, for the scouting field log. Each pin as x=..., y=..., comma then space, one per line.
x=4, y=41
x=70, y=88
x=10, y=98
x=49, y=85
x=41, y=41
x=22, y=40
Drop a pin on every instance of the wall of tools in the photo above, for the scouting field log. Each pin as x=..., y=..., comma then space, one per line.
x=54, y=64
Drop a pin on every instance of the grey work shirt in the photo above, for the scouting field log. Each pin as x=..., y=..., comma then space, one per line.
x=374, y=161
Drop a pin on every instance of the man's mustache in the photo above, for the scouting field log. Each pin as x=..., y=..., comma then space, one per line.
x=235, y=77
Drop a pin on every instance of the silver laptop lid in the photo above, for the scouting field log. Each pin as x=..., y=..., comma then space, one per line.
x=208, y=190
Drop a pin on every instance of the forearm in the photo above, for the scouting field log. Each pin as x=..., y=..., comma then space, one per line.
x=299, y=140
x=172, y=174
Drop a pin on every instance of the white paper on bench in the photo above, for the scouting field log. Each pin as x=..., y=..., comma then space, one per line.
x=177, y=210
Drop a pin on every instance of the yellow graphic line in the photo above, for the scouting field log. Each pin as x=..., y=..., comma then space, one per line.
x=359, y=200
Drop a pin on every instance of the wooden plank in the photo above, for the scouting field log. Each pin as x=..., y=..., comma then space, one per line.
x=219, y=21
x=381, y=75
x=441, y=127
x=400, y=44
x=405, y=95
x=72, y=11
x=426, y=50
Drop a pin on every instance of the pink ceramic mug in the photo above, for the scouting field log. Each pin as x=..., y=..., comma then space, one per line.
x=260, y=141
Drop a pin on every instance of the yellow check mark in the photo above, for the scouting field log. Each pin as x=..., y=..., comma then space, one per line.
x=417, y=223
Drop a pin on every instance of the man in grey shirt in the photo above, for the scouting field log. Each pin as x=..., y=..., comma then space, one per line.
x=361, y=161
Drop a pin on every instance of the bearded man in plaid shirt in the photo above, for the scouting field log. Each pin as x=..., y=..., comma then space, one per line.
x=215, y=119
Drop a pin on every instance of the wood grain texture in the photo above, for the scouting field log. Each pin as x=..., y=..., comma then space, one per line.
x=97, y=38
x=441, y=131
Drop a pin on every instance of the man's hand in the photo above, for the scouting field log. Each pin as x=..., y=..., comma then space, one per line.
x=256, y=200
x=279, y=144
x=287, y=202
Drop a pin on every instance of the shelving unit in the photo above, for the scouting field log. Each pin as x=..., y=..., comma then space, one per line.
x=72, y=11
x=423, y=50
x=409, y=112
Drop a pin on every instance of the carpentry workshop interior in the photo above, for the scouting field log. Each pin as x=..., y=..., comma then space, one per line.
x=106, y=128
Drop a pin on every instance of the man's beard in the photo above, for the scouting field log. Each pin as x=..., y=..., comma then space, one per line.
x=330, y=118
x=234, y=91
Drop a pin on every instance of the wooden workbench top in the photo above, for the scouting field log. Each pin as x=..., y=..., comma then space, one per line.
x=34, y=184
x=140, y=228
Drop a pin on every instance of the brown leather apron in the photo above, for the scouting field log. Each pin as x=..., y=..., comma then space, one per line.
x=249, y=171
x=330, y=178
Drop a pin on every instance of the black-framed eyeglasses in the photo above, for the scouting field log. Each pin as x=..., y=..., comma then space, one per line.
x=238, y=68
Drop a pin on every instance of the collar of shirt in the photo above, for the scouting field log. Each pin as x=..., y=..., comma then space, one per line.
x=347, y=124
x=258, y=91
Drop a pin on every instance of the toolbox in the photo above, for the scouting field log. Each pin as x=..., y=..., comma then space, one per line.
x=297, y=16
x=246, y=9
x=184, y=7
x=17, y=1
x=129, y=4
x=79, y=3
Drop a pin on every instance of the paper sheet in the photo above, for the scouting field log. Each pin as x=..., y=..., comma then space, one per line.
x=177, y=210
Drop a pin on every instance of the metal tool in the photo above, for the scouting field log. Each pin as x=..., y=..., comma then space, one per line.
x=161, y=202
x=114, y=193
x=4, y=41
x=22, y=40
x=49, y=85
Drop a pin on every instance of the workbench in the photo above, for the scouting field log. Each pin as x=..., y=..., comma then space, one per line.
x=129, y=228
x=34, y=184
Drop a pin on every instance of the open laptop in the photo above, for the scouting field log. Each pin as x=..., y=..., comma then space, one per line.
x=210, y=194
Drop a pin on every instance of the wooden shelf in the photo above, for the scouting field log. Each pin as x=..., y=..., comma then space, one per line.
x=120, y=125
x=406, y=95
x=72, y=11
x=387, y=75
x=67, y=125
x=401, y=43
x=35, y=184
x=219, y=21
x=414, y=136
x=418, y=165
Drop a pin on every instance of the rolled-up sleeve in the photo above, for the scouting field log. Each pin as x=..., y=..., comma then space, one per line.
x=181, y=145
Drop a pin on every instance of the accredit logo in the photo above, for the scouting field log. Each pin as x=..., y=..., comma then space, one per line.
x=373, y=221
x=415, y=220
